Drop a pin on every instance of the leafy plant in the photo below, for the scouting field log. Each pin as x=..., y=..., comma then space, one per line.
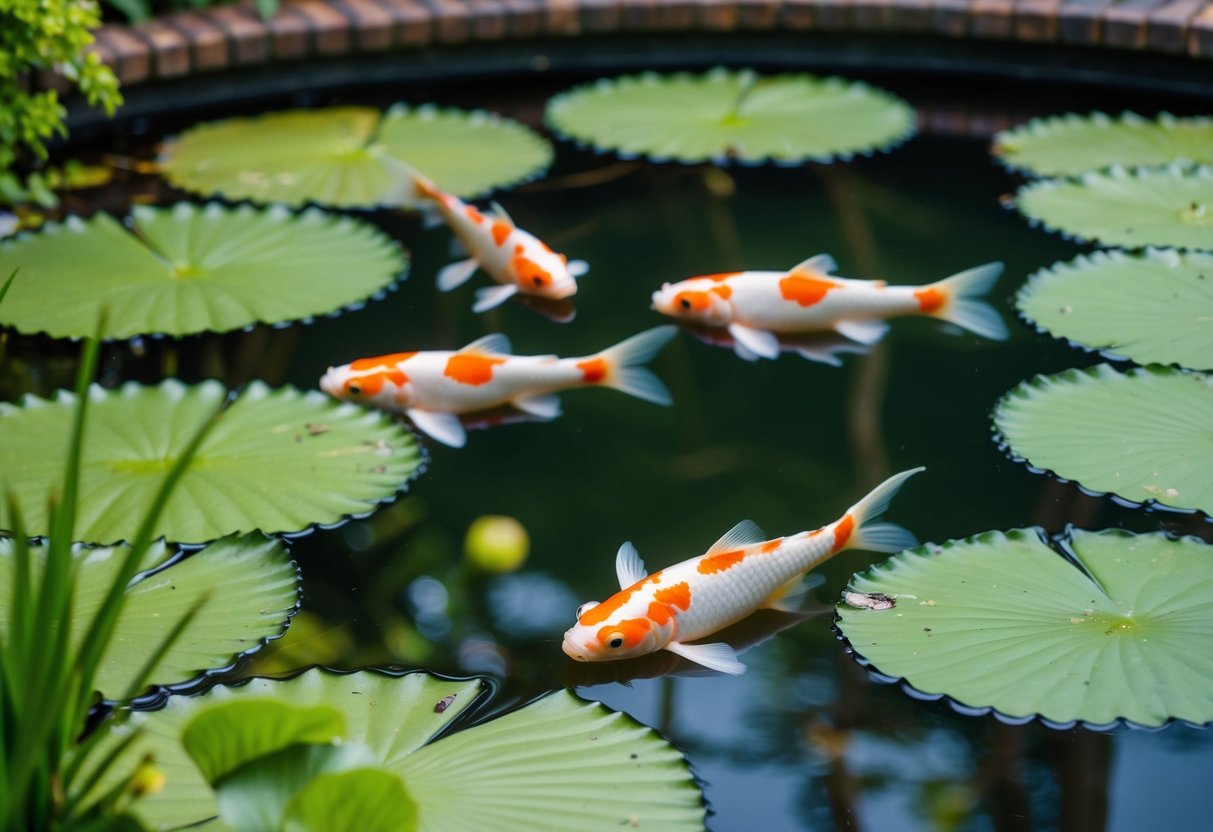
x=557, y=763
x=191, y=269
x=44, y=35
x=1109, y=626
x=279, y=460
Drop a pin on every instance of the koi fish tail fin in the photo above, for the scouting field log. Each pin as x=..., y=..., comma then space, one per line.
x=955, y=299
x=866, y=532
x=621, y=366
x=415, y=189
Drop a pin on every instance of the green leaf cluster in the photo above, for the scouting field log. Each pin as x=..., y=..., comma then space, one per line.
x=36, y=36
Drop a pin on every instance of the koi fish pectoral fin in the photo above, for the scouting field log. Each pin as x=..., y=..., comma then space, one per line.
x=578, y=267
x=758, y=341
x=493, y=297
x=717, y=656
x=542, y=407
x=629, y=568
x=442, y=427
x=787, y=597
x=865, y=332
x=455, y=274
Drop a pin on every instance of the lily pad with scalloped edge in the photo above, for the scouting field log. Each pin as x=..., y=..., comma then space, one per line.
x=350, y=157
x=250, y=586
x=190, y=269
x=732, y=114
x=1144, y=435
x=278, y=461
x=558, y=763
x=1072, y=144
x=1116, y=629
x=1162, y=207
x=1155, y=307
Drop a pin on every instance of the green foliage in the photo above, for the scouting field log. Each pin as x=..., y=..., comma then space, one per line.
x=38, y=35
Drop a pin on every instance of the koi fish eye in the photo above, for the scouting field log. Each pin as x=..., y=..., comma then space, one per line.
x=615, y=641
x=538, y=280
x=684, y=303
x=584, y=608
x=353, y=388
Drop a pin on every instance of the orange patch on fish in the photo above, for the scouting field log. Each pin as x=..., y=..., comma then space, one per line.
x=633, y=631
x=719, y=276
x=501, y=230
x=660, y=614
x=805, y=291
x=770, y=545
x=426, y=188
x=724, y=291
x=469, y=368
x=842, y=532
x=678, y=595
x=930, y=299
x=386, y=362
x=721, y=562
x=474, y=215
x=697, y=301
x=530, y=273
x=593, y=370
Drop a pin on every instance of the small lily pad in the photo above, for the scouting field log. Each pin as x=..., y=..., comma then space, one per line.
x=251, y=588
x=557, y=763
x=1143, y=435
x=1072, y=144
x=350, y=157
x=279, y=461
x=732, y=114
x=1118, y=630
x=1155, y=307
x=193, y=269
x=1163, y=207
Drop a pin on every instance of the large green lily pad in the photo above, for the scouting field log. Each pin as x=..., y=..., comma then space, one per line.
x=1156, y=307
x=732, y=114
x=351, y=157
x=190, y=268
x=1072, y=144
x=1163, y=207
x=558, y=763
x=1143, y=435
x=250, y=586
x=278, y=461
x=1003, y=621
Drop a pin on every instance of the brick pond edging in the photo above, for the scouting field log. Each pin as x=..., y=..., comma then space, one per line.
x=231, y=37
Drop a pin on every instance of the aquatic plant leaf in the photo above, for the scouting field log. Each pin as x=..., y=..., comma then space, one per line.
x=190, y=269
x=249, y=586
x=363, y=800
x=223, y=738
x=280, y=461
x=1163, y=207
x=1072, y=144
x=1003, y=621
x=557, y=763
x=1156, y=307
x=731, y=114
x=350, y=157
x=1142, y=435
x=391, y=715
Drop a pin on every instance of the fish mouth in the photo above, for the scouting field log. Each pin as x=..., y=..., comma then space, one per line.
x=326, y=384
x=574, y=650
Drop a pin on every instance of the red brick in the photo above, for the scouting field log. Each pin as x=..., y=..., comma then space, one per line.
x=911, y=15
x=132, y=61
x=414, y=21
x=951, y=17
x=992, y=18
x=758, y=14
x=718, y=15
x=372, y=25
x=1036, y=20
x=676, y=15
x=1167, y=28
x=1081, y=21
x=798, y=15
x=1200, y=34
x=208, y=41
x=331, y=30
x=523, y=18
x=452, y=20
x=871, y=15
x=487, y=19
x=290, y=35
x=562, y=18
x=247, y=34
x=599, y=16
x=639, y=15
x=832, y=15
x=169, y=48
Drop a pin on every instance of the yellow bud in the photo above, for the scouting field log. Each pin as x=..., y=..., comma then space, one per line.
x=496, y=543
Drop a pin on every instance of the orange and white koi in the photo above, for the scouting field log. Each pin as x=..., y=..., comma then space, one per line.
x=432, y=388
x=516, y=259
x=742, y=572
x=758, y=306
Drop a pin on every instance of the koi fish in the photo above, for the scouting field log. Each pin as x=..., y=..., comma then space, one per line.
x=820, y=347
x=432, y=388
x=516, y=259
x=741, y=573
x=758, y=306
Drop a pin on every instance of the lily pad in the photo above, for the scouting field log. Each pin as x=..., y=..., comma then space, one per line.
x=194, y=269
x=1151, y=308
x=350, y=157
x=1143, y=435
x=1163, y=207
x=558, y=763
x=279, y=461
x=732, y=114
x=1118, y=630
x=1072, y=144
x=251, y=588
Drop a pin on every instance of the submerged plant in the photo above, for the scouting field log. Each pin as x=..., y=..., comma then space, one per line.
x=352, y=156
x=1110, y=626
x=732, y=115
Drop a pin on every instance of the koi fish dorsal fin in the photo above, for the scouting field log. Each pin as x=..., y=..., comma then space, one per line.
x=629, y=568
x=745, y=533
x=815, y=266
x=501, y=214
x=492, y=344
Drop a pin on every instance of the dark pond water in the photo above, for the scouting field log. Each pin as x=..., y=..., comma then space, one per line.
x=804, y=740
